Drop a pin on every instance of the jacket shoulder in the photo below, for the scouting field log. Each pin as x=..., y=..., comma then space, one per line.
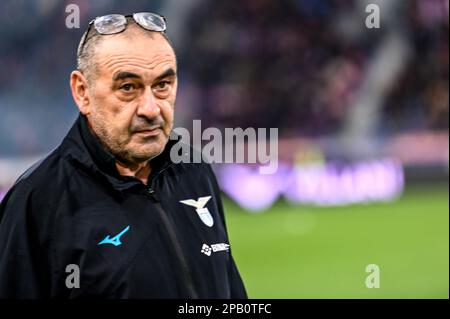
x=43, y=182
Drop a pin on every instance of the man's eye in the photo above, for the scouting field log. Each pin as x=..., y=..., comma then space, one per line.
x=163, y=85
x=127, y=87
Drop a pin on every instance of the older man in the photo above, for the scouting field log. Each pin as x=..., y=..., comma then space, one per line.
x=108, y=214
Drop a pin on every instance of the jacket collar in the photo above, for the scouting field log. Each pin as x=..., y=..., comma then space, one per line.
x=83, y=148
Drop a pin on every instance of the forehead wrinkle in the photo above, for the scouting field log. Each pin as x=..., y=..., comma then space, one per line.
x=114, y=66
x=121, y=61
x=114, y=59
x=111, y=58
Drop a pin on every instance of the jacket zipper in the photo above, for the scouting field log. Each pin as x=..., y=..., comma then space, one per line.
x=174, y=243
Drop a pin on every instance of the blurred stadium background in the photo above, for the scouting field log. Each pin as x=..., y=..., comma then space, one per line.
x=363, y=119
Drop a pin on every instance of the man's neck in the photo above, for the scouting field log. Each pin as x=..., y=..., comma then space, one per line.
x=141, y=171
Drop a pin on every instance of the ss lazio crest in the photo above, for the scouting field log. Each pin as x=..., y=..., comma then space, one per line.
x=201, y=210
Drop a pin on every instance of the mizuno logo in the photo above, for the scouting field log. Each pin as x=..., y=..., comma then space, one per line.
x=116, y=239
x=201, y=210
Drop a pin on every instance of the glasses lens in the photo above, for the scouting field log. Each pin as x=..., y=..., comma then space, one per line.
x=150, y=21
x=110, y=24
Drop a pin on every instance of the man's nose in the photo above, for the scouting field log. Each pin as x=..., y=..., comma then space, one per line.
x=148, y=106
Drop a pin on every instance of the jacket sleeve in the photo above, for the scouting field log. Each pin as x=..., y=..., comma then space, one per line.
x=22, y=263
x=237, y=288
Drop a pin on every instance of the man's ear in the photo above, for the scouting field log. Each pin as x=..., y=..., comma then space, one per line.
x=80, y=91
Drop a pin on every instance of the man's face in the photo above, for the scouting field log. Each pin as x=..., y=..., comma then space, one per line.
x=133, y=95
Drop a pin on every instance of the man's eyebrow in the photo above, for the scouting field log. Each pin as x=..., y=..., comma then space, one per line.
x=124, y=75
x=168, y=72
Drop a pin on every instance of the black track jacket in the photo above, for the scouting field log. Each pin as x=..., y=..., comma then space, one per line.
x=72, y=227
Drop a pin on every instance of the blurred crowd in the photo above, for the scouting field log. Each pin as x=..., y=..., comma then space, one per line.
x=248, y=63
x=272, y=64
x=285, y=64
x=421, y=97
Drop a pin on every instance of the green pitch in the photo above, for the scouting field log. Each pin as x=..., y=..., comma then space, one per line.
x=308, y=252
